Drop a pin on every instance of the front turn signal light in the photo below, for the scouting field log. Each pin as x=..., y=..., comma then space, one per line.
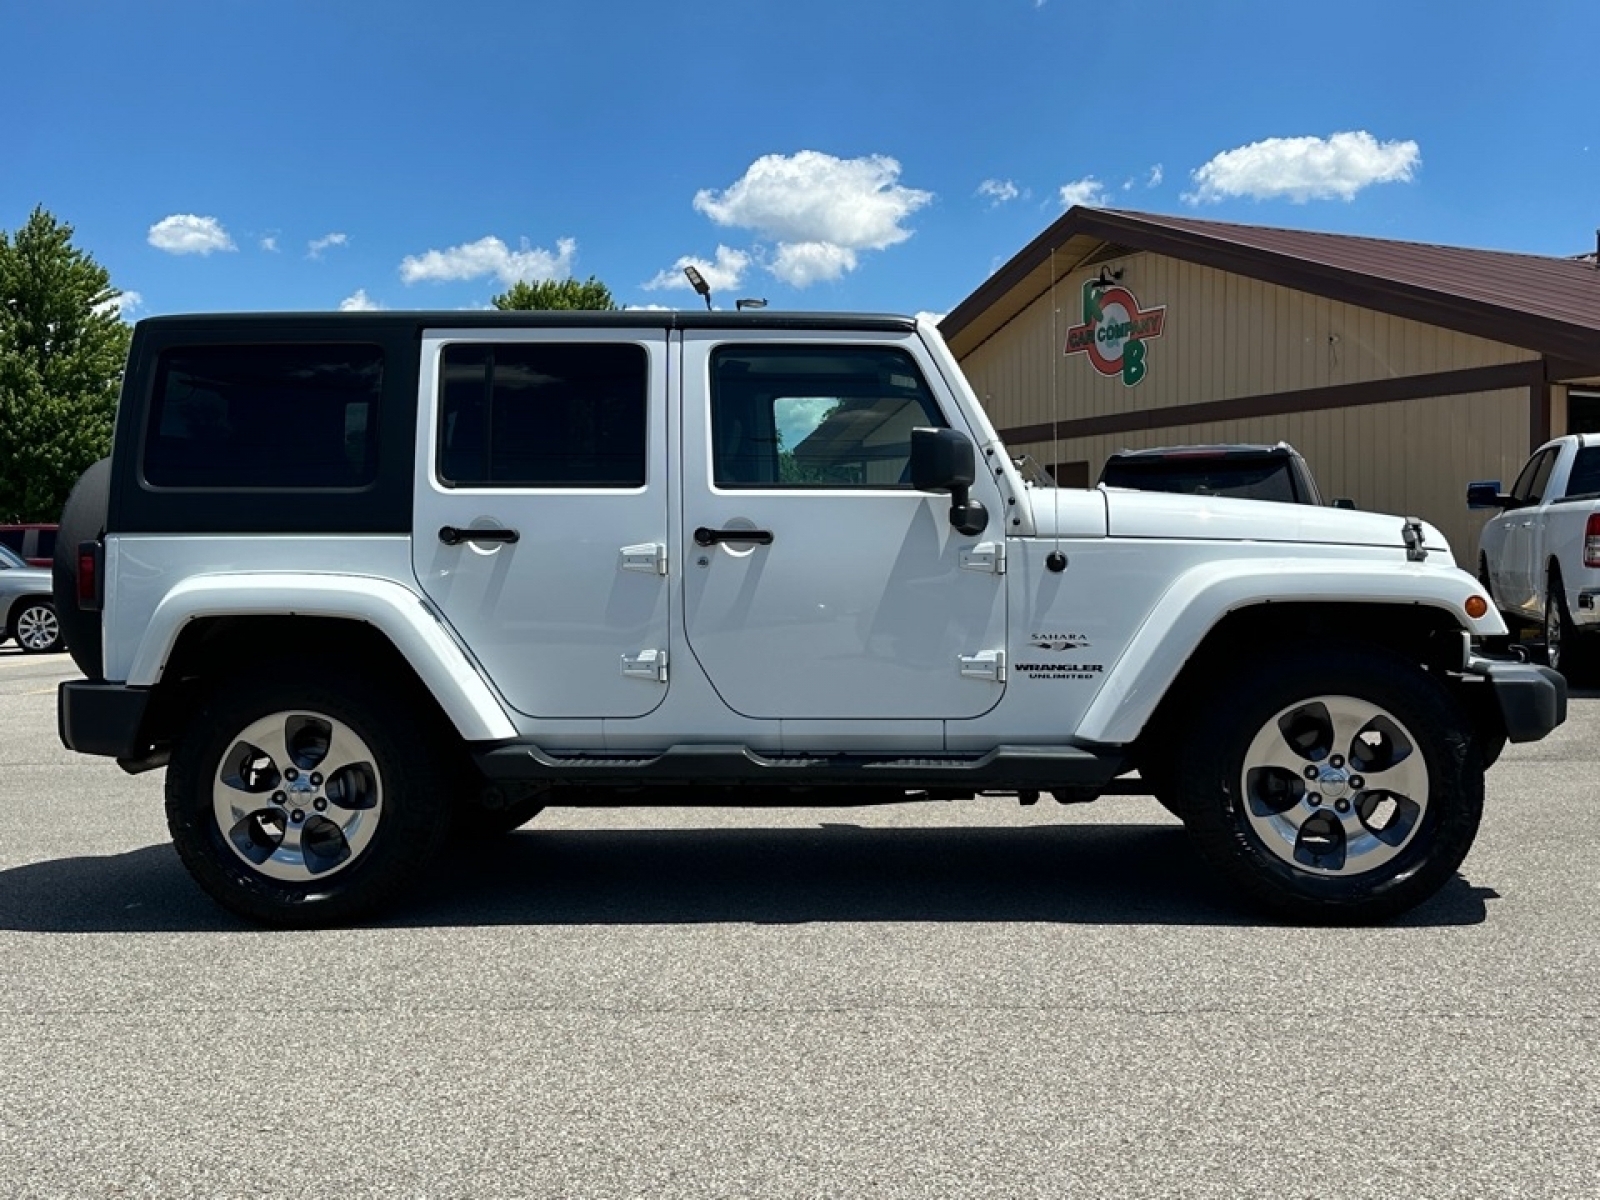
x=1476, y=607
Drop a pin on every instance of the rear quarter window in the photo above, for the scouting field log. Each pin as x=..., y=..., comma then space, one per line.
x=267, y=416
x=1585, y=480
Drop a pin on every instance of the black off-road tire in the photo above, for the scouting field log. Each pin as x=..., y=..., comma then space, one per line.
x=82, y=520
x=1227, y=823
x=413, y=809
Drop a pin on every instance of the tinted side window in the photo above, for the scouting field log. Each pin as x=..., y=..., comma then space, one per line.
x=1541, y=476
x=816, y=416
x=1524, y=484
x=285, y=417
x=12, y=538
x=1585, y=480
x=543, y=415
x=45, y=547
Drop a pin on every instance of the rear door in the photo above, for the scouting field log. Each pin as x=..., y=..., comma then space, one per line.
x=541, y=512
x=818, y=584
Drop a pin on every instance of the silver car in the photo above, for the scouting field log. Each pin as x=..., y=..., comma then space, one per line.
x=27, y=612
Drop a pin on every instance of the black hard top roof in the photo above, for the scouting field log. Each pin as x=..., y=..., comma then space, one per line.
x=542, y=319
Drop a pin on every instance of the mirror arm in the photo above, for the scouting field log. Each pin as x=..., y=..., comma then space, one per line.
x=967, y=516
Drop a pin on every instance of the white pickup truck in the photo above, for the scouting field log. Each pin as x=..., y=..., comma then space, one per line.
x=1540, y=556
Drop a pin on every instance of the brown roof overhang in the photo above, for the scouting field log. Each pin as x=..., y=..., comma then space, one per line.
x=1548, y=305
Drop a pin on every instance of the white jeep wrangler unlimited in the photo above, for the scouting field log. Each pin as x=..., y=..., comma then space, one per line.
x=357, y=579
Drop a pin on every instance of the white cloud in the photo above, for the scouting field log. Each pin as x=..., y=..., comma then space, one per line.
x=723, y=275
x=122, y=305
x=1156, y=176
x=185, y=233
x=820, y=210
x=315, y=247
x=1087, y=190
x=491, y=256
x=359, y=301
x=800, y=264
x=269, y=244
x=1305, y=168
x=931, y=316
x=998, y=191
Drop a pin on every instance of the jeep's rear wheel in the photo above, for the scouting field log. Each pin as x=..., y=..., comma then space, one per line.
x=1334, y=786
x=35, y=628
x=302, y=805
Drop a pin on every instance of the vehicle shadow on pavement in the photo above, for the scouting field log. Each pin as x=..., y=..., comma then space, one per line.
x=835, y=872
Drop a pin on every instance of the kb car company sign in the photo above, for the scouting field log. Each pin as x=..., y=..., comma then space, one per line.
x=1115, y=330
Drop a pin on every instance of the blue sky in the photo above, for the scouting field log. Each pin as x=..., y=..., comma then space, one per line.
x=864, y=155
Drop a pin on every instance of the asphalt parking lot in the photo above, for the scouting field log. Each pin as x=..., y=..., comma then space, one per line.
x=973, y=999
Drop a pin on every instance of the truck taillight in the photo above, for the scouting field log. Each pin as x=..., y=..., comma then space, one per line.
x=89, y=560
x=1591, y=541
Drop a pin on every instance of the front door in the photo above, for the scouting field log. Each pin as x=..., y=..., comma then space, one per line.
x=1521, y=570
x=817, y=583
x=541, y=513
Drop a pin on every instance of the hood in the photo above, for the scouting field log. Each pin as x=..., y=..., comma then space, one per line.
x=1167, y=515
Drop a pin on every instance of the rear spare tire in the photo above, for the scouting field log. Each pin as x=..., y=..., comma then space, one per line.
x=82, y=520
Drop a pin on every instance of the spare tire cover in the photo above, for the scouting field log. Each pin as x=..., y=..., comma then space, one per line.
x=82, y=520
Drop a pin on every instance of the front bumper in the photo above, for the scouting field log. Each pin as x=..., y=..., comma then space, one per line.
x=1532, y=700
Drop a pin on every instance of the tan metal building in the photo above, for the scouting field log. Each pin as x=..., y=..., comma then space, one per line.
x=1401, y=371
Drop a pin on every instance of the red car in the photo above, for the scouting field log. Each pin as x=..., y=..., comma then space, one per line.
x=35, y=543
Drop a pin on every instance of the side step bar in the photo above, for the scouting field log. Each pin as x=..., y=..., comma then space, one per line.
x=1005, y=768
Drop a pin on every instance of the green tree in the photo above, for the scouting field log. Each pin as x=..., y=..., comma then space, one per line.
x=590, y=294
x=62, y=349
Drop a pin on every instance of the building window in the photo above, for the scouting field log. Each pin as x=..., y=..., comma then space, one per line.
x=1583, y=412
x=1070, y=474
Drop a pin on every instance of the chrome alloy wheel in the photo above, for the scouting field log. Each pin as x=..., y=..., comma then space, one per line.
x=1335, y=786
x=297, y=796
x=37, y=627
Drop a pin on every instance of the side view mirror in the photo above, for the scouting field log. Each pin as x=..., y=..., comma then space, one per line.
x=1343, y=502
x=942, y=460
x=1486, y=494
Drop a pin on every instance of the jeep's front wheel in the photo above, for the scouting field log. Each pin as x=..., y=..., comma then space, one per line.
x=299, y=805
x=1334, y=787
